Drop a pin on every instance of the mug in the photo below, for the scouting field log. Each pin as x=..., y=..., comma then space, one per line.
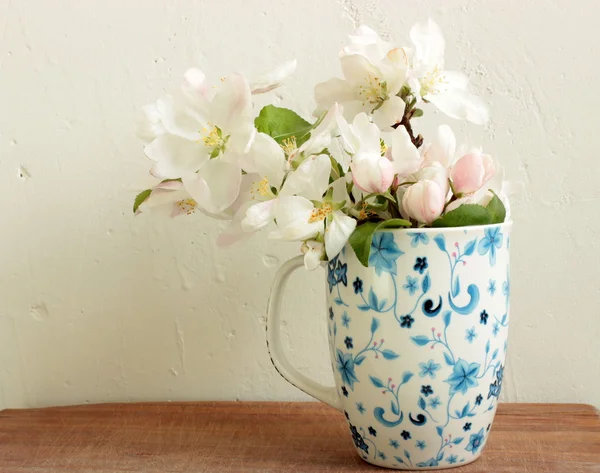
x=417, y=342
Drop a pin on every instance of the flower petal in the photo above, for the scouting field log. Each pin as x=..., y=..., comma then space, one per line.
x=331, y=91
x=313, y=253
x=357, y=69
x=429, y=43
x=390, y=113
x=216, y=186
x=460, y=104
x=259, y=215
x=175, y=156
x=337, y=233
x=232, y=104
x=310, y=180
x=292, y=214
x=405, y=156
x=274, y=78
x=266, y=158
x=368, y=135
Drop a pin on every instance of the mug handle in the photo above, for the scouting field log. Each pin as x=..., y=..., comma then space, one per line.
x=326, y=394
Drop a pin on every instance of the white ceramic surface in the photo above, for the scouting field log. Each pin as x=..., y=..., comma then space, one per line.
x=417, y=341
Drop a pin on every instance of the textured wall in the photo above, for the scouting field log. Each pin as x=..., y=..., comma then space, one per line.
x=98, y=306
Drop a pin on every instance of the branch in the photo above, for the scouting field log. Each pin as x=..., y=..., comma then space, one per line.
x=405, y=122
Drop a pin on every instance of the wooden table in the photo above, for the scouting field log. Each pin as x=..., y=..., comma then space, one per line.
x=267, y=437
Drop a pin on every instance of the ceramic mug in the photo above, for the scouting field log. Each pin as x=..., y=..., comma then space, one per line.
x=417, y=342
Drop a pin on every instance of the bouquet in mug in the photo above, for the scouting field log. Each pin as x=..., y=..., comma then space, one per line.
x=356, y=167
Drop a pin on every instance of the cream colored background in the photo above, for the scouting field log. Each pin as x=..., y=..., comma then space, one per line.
x=98, y=306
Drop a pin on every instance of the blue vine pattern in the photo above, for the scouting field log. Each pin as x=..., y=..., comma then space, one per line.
x=465, y=396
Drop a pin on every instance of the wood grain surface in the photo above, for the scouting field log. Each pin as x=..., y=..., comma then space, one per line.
x=267, y=437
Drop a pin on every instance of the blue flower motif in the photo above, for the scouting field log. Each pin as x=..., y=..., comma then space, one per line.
x=358, y=285
x=463, y=376
x=496, y=329
x=478, y=400
x=421, y=264
x=344, y=391
x=418, y=237
x=405, y=435
x=430, y=462
x=372, y=431
x=483, y=317
x=506, y=288
x=360, y=408
x=411, y=285
x=470, y=335
x=358, y=440
x=452, y=459
x=394, y=443
x=331, y=279
x=435, y=402
x=345, y=366
x=406, y=321
x=421, y=444
x=341, y=272
x=346, y=320
x=467, y=426
x=492, y=287
x=384, y=253
x=475, y=442
x=426, y=390
x=381, y=455
x=429, y=369
x=348, y=343
x=488, y=244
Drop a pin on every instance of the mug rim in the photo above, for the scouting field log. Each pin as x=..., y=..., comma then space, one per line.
x=506, y=224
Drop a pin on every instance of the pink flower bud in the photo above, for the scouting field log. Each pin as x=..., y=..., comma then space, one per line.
x=424, y=201
x=471, y=172
x=373, y=175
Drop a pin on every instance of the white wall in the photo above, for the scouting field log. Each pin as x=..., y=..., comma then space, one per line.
x=98, y=306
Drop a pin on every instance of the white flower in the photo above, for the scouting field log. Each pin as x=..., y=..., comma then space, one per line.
x=313, y=253
x=302, y=218
x=405, y=157
x=374, y=72
x=273, y=79
x=442, y=148
x=371, y=171
x=170, y=198
x=447, y=90
x=201, y=140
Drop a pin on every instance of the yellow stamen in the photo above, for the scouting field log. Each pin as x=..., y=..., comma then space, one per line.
x=289, y=145
x=213, y=138
x=187, y=206
x=374, y=91
x=431, y=81
x=262, y=188
x=318, y=215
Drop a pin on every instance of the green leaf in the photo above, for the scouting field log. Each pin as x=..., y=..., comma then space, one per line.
x=464, y=216
x=281, y=123
x=417, y=112
x=361, y=238
x=496, y=210
x=140, y=199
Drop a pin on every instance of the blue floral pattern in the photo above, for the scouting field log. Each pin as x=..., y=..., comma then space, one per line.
x=490, y=243
x=409, y=409
x=384, y=253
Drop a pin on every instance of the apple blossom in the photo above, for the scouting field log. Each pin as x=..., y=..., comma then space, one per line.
x=424, y=201
x=358, y=162
x=428, y=80
x=374, y=72
x=471, y=172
